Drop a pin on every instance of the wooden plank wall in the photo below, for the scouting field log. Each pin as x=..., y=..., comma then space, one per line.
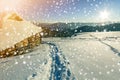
x=22, y=47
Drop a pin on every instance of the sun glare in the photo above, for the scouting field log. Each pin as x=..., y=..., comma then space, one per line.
x=6, y=5
x=104, y=15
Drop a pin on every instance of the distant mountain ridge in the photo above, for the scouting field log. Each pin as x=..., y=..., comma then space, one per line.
x=70, y=29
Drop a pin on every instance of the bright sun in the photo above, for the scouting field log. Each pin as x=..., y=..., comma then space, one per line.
x=104, y=15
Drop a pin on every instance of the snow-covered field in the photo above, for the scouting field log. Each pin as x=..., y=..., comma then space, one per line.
x=87, y=56
x=27, y=66
x=92, y=56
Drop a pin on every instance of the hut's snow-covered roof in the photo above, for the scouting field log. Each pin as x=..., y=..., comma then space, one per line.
x=14, y=29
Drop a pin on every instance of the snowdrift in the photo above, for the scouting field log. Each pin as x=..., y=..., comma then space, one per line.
x=17, y=35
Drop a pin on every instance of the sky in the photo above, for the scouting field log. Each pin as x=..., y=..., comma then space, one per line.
x=64, y=10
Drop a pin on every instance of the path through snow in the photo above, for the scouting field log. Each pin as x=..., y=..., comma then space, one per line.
x=60, y=66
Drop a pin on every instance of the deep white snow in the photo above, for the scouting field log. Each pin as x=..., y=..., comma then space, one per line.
x=87, y=56
x=29, y=66
x=92, y=56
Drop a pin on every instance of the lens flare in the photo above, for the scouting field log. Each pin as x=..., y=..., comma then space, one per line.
x=8, y=5
x=104, y=15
